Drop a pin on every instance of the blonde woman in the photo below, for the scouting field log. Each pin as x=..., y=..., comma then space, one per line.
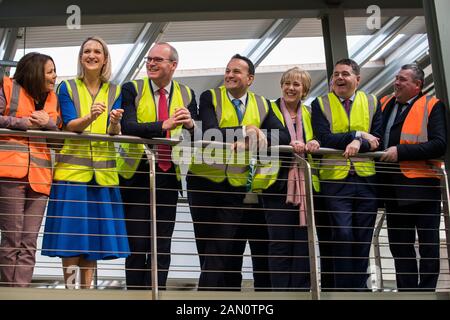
x=85, y=220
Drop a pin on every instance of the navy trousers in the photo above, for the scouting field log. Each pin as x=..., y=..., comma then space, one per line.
x=352, y=204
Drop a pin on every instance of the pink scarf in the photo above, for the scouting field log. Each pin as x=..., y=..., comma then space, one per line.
x=296, y=179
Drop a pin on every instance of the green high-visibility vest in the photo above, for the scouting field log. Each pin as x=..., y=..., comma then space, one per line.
x=336, y=167
x=216, y=164
x=266, y=182
x=131, y=154
x=81, y=160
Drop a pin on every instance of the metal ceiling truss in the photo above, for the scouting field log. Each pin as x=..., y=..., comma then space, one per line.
x=414, y=49
x=260, y=49
x=133, y=61
x=363, y=51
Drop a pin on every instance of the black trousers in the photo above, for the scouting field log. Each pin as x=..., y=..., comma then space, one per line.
x=252, y=228
x=136, y=198
x=288, y=246
x=324, y=235
x=402, y=223
x=202, y=200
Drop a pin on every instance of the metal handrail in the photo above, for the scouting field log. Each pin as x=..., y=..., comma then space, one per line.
x=315, y=288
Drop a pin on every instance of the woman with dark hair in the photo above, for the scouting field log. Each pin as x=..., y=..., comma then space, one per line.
x=85, y=219
x=27, y=101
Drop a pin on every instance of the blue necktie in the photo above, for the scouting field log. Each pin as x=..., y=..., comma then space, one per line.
x=237, y=104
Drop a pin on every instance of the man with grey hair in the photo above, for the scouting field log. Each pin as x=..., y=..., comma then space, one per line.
x=156, y=106
x=414, y=135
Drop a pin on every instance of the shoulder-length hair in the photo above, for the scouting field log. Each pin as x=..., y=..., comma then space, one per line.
x=299, y=74
x=30, y=74
x=105, y=73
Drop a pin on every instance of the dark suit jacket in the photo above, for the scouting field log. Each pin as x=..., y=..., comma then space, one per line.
x=433, y=149
x=207, y=115
x=322, y=130
x=149, y=130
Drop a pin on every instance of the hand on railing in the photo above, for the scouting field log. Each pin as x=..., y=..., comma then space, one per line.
x=390, y=155
x=38, y=119
x=352, y=148
x=374, y=142
x=312, y=146
x=298, y=146
x=183, y=117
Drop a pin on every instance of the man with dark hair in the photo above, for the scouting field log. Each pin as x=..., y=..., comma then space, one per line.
x=350, y=120
x=217, y=191
x=415, y=135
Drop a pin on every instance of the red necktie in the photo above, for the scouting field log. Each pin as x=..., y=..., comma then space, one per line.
x=164, y=151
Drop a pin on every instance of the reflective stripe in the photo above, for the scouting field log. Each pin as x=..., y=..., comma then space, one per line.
x=111, y=96
x=69, y=159
x=326, y=108
x=139, y=91
x=423, y=135
x=75, y=96
x=267, y=170
x=13, y=146
x=43, y=163
x=127, y=158
x=217, y=166
x=237, y=169
x=184, y=95
x=372, y=107
x=308, y=108
x=261, y=108
x=219, y=104
x=14, y=99
x=38, y=140
x=335, y=162
x=385, y=100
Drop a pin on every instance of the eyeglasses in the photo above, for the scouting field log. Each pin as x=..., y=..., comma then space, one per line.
x=344, y=74
x=155, y=59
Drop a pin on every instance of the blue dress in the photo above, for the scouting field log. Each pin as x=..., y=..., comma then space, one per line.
x=84, y=219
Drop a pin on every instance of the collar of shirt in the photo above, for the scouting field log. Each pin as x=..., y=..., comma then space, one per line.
x=243, y=98
x=352, y=98
x=409, y=102
x=156, y=89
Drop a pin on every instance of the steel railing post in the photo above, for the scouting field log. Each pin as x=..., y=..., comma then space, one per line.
x=311, y=227
x=153, y=230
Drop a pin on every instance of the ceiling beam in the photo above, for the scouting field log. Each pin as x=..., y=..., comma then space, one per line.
x=364, y=50
x=410, y=52
x=133, y=61
x=260, y=49
x=8, y=43
x=20, y=13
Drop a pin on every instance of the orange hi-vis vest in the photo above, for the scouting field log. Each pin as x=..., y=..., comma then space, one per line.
x=415, y=131
x=21, y=157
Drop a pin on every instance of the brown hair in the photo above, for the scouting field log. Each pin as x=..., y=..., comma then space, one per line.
x=105, y=74
x=30, y=74
x=297, y=73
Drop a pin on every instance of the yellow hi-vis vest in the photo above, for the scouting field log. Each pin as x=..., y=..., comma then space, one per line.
x=307, y=127
x=336, y=167
x=131, y=154
x=216, y=164
x=80, y=160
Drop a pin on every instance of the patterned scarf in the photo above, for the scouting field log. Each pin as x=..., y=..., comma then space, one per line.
x=296, y=179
